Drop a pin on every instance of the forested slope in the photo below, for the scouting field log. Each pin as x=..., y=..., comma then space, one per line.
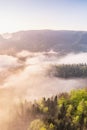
x=69, y=71
x=62, y=112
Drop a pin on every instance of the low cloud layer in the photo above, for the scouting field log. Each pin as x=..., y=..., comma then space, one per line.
x=26, y=71
x=74, y=59
x=23, y=76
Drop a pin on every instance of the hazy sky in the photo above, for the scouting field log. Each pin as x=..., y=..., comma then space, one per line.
x=18, y=15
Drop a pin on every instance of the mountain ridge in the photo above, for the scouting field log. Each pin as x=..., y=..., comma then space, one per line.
x=63, y=41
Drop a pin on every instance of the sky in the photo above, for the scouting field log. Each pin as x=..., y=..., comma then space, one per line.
x=17, y=15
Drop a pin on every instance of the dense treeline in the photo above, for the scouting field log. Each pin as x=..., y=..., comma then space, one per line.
x=69, y=71
x=63, y=112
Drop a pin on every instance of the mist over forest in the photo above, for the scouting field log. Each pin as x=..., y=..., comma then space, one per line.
x=55, y=64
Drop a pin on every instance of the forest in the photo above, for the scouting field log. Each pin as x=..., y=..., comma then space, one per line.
x=66, y=111
x=69, y=71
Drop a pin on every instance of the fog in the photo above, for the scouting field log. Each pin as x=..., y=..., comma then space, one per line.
x=24, y=76
x=74, y=59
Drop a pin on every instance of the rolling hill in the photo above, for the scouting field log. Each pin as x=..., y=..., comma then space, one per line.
x=45, y=40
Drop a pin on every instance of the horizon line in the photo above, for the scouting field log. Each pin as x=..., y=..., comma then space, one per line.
x=25, y=30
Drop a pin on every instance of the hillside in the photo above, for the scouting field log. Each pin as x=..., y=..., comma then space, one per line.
x=44, y=40
x=63, y=112
x=69, y=71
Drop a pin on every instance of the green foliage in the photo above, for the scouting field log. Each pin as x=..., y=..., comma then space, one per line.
x=77, y=96
x=62, y=112
x=37, y=125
